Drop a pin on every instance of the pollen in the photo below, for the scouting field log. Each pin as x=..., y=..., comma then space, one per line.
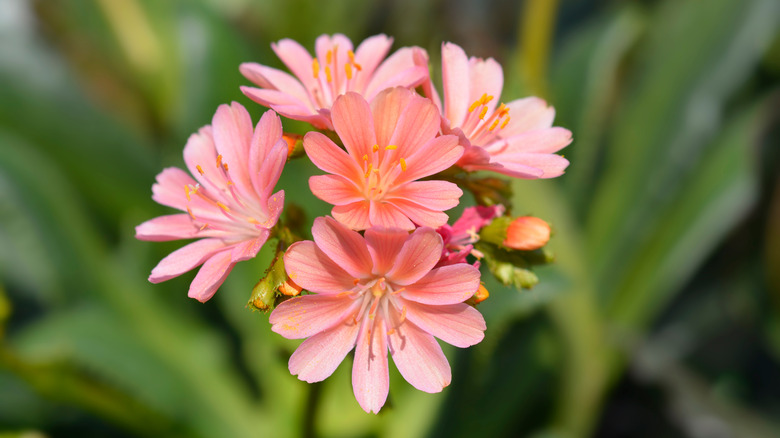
x=482, y=113
x=328, y=76
x=403, y=164
x=375, y=148
x=348, y=70
x=223, y=207
x=200, y=169
x=391, y=147
x=506, y=121
x=365, y=157
x=315, y=68
x=187, y=191
x=329, y=57
x=493, y=125
x=219, y=161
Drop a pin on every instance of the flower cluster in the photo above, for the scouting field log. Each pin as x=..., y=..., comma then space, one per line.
x=385, y=272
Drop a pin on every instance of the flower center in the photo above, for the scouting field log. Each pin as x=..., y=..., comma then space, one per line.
x=335, y=81
x=381, y=169
x=478, y=127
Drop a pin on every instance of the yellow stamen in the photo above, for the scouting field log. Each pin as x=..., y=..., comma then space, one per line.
x=315, y=68
x=370, y=167
x=253, y=221
x=474, y=105
x=225, y=166
x=348, y=70
x=485, y=99
x=190, y=212
x=219, y=161
x=328, y=76
x=203, y=227
x=403, y=315
x=375, y=147
x=355, y=281
x=390, y=332
x=502, y=110
x=200, y=169
x=329, y=57
x=493, y=126
x=403, y=164
x=391, y=147
x=351, y=56
x=505, y=122
x=365, y=157
x=187, y=191
x=223, y=207
x=482, y=113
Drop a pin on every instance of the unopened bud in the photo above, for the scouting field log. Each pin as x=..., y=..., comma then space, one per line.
x=289, y=288
x=527, y=233
x=294, y=145
x=481, y=295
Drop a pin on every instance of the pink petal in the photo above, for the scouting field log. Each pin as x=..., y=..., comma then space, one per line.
x=422, y=216
x=458, y=324
x=418, y=123
x=169, y=188
x=486, y=77
x=444, y=285
x=516, y=170
x=399, y=70
x=163, y=228
x=370, y=376
x=248, y=248
x=421, y=59
x=551, y=165
x=433, y=157
x=200, y=155
x=355, y=215
x=342, y=245
x=385, y=214
x=288, y=106
x=387, y=107
x=368, y=55
x=384, y=245
x=185, y=259
x=267, y=77
x=543, y=141
x=266, y=141
x=307, y=315
x=319, y=356
x=418, y=255
x=419, y=358
x=211, y=276
x=311, y=269
x=264, y=179
x=436, y=195
x=335, y=189
x=455, y=79
x=329, y=157
x=528, y=114
x=297, y=59
x=354, y=124
x=232, y=134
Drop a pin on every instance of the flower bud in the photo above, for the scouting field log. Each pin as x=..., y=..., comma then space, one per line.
x=527, y=233
x=289, y=288
x=481, y=295
x=294, y=145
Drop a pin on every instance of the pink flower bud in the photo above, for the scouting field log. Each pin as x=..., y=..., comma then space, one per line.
x=527, y=233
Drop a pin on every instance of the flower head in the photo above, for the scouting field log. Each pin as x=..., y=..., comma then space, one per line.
x=376, y=293
x=389, y=145
x=335, y=70
x=229, y=205
x=516, y=139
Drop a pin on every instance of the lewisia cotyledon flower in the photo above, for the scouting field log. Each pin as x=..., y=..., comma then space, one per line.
x=459, y=238
x=229, y=205
x=335, y=70
x=515, y=139
x=389, y=145
x=376, y=293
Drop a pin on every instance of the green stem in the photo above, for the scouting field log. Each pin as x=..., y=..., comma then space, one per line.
x=535, y=39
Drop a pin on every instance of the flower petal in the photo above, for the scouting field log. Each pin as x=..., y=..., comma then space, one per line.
x=387, y=108
x=211, y=276
x=418, y=255
x=267, y=77
x=542, y=141
x=436, y=155
x=398, y=70
x=455, y=79
x=385, y=214
x=370, y=376
x=307, y=315
x=249, y=248
x=368, y=55
x=435, y=195
x=486, y=77
x=444, y=285
x=458, y=324
x=355, y=215
x=232, y=127
x=319, y=356
x=297, y=59
x=164, y=228
x=419, y=122
x=329, y=157
x=384, y=246
x=335, y=189
x=419, y=358
x=169, y=189
x=354, y=124
x=528, y=114
x=550, y=165
x=342, y=245
x=185, y=259
x=311, y=269
x=420, y=215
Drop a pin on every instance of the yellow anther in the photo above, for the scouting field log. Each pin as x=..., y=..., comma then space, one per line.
x=225, y=166
x=375, y=147
x=493, y=125
x=187, y=191
x=219, y=161
x=403, y=164
x=365, y=157
x=348, y=70
x=315, y=68
x=482, y=113
x=502, y=110
x=370, y=167
x=190, y=212
x=223, y=207
x=391, y=147
x=390, y=332
x=506, y=121
x=328, y=76
x=403, y=315
x=474, y=105
x=485, y=99
x=329, y=57
x=200, y=169
x=351, y=56
x=203, y=227
x=253, y=221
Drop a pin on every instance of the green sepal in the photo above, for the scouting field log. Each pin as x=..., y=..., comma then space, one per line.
x=265, y=293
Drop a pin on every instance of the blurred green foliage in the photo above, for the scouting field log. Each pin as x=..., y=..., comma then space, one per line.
x=667, y=224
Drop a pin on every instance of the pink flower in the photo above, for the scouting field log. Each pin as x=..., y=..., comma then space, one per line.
x=516, y=139
x=229, y=204
x=336, y=70
x=459, y=238
x=389, y=145
x=376, y=293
